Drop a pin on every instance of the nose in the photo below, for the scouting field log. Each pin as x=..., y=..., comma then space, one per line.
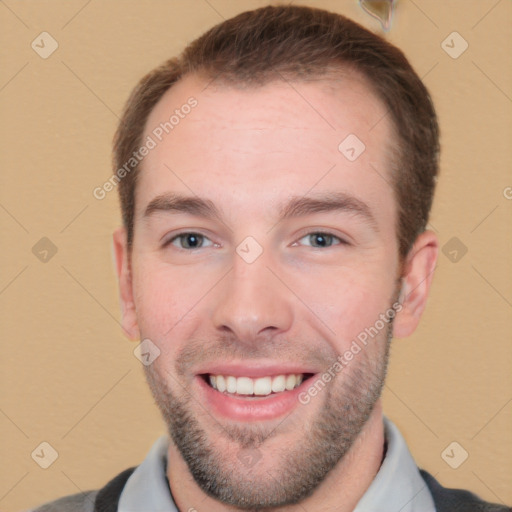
x=252, y=303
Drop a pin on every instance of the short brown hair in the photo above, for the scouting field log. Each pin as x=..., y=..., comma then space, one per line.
x=299, y=42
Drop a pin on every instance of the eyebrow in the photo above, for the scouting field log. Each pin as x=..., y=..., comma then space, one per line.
x=297, y=206
x=182, y=204
x=329, y=202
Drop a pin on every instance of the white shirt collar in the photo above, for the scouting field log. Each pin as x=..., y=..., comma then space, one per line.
x=147, y=488
x=397, y=487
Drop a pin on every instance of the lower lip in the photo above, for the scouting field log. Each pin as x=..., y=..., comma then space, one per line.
x=250, y=409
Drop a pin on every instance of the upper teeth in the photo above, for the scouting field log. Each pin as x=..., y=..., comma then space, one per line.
x=262, y=386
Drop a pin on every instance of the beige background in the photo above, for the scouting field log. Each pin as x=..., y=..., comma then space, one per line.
x=68, y=375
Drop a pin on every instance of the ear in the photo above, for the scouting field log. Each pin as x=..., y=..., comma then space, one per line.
x=418, y=271
x=123, y=267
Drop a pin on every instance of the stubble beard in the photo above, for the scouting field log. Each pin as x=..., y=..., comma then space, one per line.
x=348, y=404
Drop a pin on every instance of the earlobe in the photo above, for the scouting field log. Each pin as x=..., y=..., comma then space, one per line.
x=124, y=274
x=416, y=281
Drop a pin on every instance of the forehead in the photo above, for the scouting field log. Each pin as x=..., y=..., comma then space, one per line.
x=344, y=101
x=290, y=136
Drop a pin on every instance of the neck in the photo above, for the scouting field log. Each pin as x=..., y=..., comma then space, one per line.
x=341, y=490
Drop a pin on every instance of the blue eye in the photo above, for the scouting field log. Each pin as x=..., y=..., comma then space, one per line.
x=189, y=241
x=321, y=240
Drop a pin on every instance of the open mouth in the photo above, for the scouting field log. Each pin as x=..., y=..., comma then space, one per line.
x=251, y=393
x=247, y=387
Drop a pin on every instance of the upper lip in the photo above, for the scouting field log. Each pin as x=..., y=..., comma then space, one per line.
x=253, y=370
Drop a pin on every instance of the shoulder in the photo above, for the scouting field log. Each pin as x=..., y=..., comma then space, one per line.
x=458, y=500
x=103, y=500
x=81, y=502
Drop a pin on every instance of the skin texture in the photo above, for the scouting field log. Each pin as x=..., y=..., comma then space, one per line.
x=248, y=151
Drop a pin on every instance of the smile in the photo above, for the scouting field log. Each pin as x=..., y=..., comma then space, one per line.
x=263, y=386
x=258, y=397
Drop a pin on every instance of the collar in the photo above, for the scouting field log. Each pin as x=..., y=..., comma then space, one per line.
x=398, y=485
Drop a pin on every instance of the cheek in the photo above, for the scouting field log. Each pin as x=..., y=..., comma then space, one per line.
x=166, y=316
x=348, y=301
x=166, y=300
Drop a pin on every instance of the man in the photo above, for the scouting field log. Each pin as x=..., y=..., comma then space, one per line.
x=275, y=183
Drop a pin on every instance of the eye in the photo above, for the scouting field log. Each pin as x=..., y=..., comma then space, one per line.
x=189, y=241
x=320, y=239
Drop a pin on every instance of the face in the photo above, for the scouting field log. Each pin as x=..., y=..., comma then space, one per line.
x=262, y=253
